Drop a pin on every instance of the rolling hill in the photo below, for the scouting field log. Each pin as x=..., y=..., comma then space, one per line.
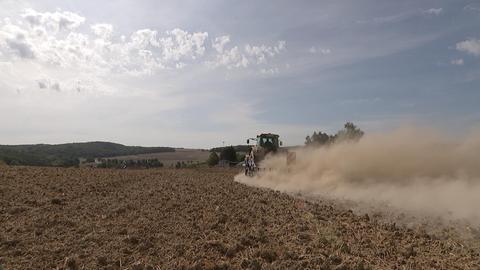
x=69, y=154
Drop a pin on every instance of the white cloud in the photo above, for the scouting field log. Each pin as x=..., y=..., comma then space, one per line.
x=232, y=58
x=142, y=39
x=434, y=11
x=71, y=49
x=457, y=62
x=471, y=46
x=261, y=53
x=251, y=55
x=56, y=21
x=103, y=30
x=54, y=48
x=475, y=7
x=400, y=17
x=180, y=65
x=280, y=46
x=395, y=18
x=270, y=71
x=16, y=41
x=54, y=38
x=180, y=44
x=323, y=51
x=220, y=43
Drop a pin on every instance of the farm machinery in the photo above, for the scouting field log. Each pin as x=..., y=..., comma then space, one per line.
x=265, y=144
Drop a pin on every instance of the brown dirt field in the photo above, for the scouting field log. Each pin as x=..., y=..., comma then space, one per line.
x=53, y=218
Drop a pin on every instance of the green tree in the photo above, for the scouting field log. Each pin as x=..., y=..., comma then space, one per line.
x=229, y=153
x=308, y=140
x=155, y=163
x=350, y=132
x=319, y=138
x=178, y=165
x=240, y=156
x=213, y=159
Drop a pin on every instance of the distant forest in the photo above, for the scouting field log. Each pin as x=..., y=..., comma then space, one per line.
x=69, y=154
x=238, y=148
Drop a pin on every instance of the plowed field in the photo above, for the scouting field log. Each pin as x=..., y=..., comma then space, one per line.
x=53, y=218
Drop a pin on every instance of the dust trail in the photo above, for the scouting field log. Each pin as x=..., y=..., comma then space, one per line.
x=411, y=169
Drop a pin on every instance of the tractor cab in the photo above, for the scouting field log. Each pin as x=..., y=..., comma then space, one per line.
x=268, y=141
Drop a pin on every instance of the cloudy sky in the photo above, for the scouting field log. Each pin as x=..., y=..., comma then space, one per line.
x=197, y=73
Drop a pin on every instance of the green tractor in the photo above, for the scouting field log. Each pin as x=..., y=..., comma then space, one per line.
x=266, y=144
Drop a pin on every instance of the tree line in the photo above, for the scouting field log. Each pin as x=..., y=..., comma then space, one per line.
x=228, y=153
x=69, y=154
x=349, y=132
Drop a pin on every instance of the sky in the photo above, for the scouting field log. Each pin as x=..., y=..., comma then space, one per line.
x=206, y=73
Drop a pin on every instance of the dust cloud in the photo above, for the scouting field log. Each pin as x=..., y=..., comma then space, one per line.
x=411, y=169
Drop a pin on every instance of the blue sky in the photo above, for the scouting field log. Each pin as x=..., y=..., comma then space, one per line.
x=194, y=74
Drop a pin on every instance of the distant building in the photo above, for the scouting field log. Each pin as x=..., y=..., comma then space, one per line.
x=98, y=161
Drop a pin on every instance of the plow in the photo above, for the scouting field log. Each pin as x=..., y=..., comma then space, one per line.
x=265, y=144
